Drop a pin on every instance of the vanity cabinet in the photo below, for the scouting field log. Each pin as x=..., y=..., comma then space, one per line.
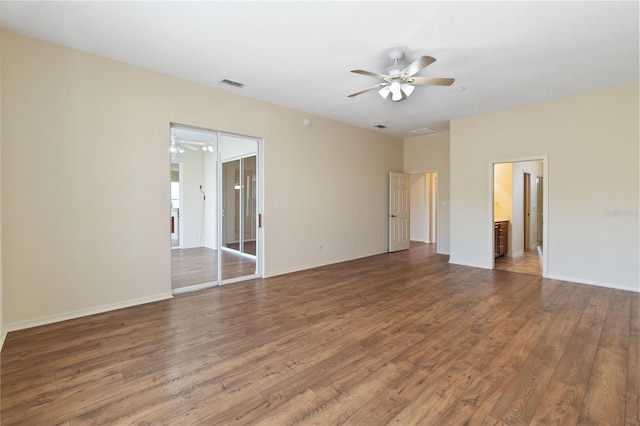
x=501, y=238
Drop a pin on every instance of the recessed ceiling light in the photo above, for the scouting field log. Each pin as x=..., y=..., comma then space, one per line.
x=457, y=89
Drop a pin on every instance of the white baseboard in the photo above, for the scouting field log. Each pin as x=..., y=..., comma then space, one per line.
x=473, y=265
x=591, y=282
x=194, y=287
x=312, y=266
x=49, y=319
x=2, y=338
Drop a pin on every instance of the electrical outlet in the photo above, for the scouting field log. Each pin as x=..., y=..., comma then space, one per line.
x=319, y=247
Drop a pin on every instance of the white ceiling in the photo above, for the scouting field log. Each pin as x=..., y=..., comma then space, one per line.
x=299, y=54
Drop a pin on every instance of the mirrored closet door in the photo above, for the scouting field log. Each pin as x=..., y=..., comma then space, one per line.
x=214, y=208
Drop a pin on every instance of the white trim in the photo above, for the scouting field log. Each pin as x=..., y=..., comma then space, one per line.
x=239, y=253
x=591, y=282
x=313, y=266
x=471, y=265
x=241, y=156
x=194, y=287
x=2, y=338
x=260, y=235
x=85, y=312
x=203, y=286
x=239, y=279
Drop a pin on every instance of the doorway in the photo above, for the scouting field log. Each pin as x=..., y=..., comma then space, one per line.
x=526, y=190
x=217, y=208
x=517, y=200
x=539, y=215
x=424, y=207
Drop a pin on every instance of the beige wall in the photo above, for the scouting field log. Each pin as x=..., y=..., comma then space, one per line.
x=591, y=142
x=79, y=238
x=503, y=191
x=430, y=153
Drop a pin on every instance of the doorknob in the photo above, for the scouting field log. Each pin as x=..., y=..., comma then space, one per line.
x=393, y=215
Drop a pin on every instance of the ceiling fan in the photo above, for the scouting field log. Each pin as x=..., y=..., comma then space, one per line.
x=399, y=80
x=178, y=145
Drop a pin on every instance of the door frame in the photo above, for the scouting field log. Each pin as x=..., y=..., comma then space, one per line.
x=260, y=235
x=239, y=252
x=436, y=209
x=545, y=207
x=259, y=206
x=526, y=210
x=539, y=216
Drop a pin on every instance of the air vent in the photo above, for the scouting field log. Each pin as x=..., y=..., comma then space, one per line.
x=232, y=83
x=423, y=131
x=380, y=126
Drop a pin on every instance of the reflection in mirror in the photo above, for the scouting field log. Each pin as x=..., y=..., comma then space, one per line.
x=175, y=205
x=193, y=153
x=239, y=205
x=240, y=231
x=214, y=207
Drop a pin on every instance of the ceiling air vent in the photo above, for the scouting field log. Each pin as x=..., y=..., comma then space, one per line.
x=380, y=126
x=423, y=131
x=232, y=83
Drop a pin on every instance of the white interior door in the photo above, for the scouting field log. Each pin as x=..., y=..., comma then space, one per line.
x=399, y=186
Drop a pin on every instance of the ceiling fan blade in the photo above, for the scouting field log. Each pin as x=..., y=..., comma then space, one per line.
x=377, y=86
x=189, y=146
x=371, y=74
x=417, y=65
x=190, y=142
x=423, y=81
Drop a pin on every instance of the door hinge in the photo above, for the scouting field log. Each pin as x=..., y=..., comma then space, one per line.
x=259, y=220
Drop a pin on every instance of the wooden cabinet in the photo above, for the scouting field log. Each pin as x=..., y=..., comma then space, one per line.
x=501, y=237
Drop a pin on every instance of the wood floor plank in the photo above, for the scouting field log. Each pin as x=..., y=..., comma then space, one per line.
x=397, y=338
x=606, y=392
x=501, y=363
x=633, y=366
x=518, y=403
x=563, y=397
x=605, y=397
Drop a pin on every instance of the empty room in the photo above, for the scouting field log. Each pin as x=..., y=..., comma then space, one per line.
x=414, y=213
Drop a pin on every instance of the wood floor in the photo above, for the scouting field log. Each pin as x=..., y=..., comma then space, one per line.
x=403, y=338
x=530, y=262
x=249, y=247
x=200, y=265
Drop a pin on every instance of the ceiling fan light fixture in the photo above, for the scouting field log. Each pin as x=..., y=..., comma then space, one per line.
x=407, y=89
x=384, y=92
x=399, y=79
